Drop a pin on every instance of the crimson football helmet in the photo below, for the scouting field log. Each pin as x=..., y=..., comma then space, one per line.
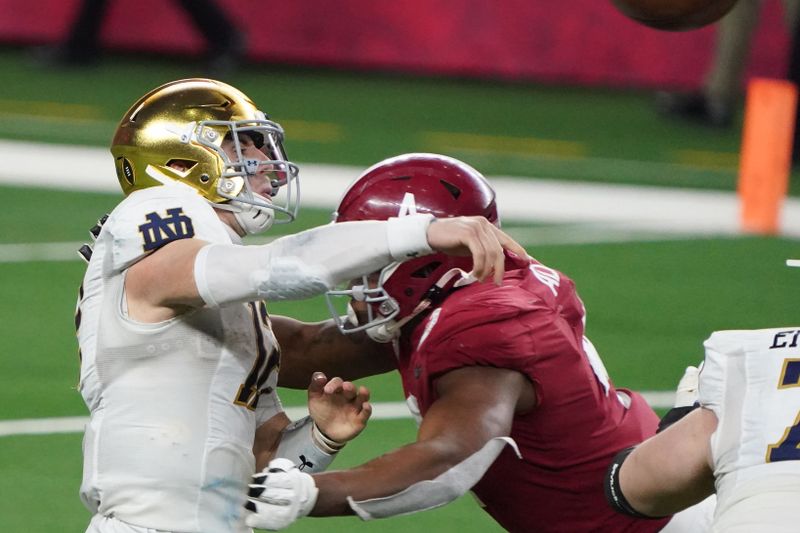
x=398, y=186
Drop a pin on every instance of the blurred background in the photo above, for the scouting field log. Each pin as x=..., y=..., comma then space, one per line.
x=555, y=102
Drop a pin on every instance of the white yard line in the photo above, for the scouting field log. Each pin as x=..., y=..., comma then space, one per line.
x=76, y=424
x=381, y=411
x=40, y=251
x=584, y=212
x=628, y=207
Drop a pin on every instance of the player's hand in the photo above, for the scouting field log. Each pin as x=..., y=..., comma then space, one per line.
x=687, y=392
x=279, y=495
x=474, y=236
x=338, y=407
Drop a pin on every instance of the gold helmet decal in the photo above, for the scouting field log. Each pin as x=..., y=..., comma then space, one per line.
x=125, y=171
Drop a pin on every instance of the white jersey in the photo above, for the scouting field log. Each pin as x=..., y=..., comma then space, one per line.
x=174, y=405
x=751, y=381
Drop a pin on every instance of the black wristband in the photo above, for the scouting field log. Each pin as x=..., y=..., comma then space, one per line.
x=673, y=415
x=613, y=491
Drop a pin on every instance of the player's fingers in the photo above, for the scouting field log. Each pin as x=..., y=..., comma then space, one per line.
x=499, y=257
x=363, y=393
x=348, y=390
x=365, y=413
x=361, y=398
x=499, y=270
x=508, y=243
x=334, y=385
x=318, y=381
x=475, y=240
x=495, y=258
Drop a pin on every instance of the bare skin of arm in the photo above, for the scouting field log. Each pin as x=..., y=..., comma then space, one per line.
x=161, y=286
x=475, y=404
x=671, y=470
x=307, y=348
x=167, y=276
x=339, y=408
x=268, y=436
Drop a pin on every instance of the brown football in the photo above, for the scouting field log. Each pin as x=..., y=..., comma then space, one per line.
x=674, y=15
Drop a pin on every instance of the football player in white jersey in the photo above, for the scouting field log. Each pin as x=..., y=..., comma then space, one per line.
x=743, y=442
x=179, y=362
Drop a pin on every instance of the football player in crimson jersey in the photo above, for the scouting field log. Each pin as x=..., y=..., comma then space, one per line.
x=179, y=363
x=511, y=398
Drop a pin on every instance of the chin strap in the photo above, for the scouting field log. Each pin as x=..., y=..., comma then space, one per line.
x=254, y=219
x=389, y=331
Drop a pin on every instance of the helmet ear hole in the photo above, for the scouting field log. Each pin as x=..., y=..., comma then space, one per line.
x=181, y=165
x=427, y=270
x=204, y=178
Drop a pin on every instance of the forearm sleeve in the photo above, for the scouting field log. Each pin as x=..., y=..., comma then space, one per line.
x=304, y=444
x=436, y=492
x=308, y=263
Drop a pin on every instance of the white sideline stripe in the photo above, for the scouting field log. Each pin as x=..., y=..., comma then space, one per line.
x=40, y=251
x=76, y=424
x=649, y=208
x=380, y=411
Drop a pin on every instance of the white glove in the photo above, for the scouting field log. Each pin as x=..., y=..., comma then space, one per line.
x=686, y=393
x=279, y=495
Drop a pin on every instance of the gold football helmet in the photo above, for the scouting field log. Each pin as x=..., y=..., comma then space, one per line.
x=174, y=134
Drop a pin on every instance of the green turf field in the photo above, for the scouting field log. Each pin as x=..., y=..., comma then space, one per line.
x=650, y=303
x=338, y=117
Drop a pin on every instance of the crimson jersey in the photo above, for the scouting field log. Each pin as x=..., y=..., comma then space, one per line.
x=534, y=323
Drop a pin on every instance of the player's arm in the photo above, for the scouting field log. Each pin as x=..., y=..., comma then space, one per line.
x=338, y=412
x=308, y=348
x=162, y=285
x=190, y=273
x=668, y=472
x=474, y=406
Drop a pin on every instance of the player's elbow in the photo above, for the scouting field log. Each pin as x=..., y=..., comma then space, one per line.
x=621, y=496
x=445, y=454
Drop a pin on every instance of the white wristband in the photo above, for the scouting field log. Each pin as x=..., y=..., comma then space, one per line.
x=407, y=236
x=325, y=443
x=304, y=444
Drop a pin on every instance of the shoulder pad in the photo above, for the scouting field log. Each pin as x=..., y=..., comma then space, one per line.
x=150, y=218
